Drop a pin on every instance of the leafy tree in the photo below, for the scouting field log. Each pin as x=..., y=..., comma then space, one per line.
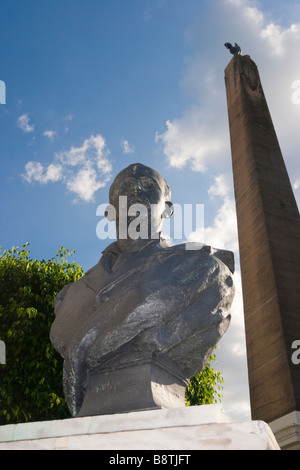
x=205, y=388
x=31, y=379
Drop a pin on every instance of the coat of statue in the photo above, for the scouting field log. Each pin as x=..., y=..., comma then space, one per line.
x=145, y=319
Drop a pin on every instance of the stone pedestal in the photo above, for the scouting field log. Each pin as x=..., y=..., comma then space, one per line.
x=145, y=384
x=184, y=429
x=287, y=431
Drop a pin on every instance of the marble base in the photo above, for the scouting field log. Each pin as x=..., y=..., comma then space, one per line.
x=188, y=428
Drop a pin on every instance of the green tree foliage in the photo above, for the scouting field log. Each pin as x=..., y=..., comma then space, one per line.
x=205, y=388
x=31, y=379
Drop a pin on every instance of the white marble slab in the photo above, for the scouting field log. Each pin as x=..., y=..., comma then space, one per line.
x=189, y=428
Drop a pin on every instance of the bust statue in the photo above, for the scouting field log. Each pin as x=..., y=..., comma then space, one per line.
x=145, y=319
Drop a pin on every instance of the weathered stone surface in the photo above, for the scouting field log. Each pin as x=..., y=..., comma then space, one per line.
x=286, y=430
x=143, y=321
x=269, y=242
x=190, y=428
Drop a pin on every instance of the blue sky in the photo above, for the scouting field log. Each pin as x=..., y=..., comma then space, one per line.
x=95, y=85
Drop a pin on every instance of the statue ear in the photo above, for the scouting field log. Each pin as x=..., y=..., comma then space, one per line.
x=168, y=211
x=110, y=213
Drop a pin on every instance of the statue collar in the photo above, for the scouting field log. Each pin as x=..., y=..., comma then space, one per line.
x=115, y=249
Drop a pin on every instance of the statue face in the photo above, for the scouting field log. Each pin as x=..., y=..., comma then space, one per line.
x=140, y=185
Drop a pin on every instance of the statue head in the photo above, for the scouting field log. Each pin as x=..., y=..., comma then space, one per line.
x=145, y=192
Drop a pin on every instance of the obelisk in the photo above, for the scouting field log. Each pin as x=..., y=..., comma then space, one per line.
x=269, y=244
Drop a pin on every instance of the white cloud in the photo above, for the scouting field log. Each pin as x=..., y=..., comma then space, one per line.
x=190, y=140
x=253, y=16
x=278, y=39
x=126, y=147
x=297, y=184
x=54, y=172
x=23, y=123
x=82, y=169
x=281, y=39
x=92, y=149
x=84, y=183
x=50, y=134
x=36, y=172
x=222, y=233
x=221, y=186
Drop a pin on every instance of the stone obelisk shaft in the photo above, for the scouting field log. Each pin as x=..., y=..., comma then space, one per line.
x=269, y=242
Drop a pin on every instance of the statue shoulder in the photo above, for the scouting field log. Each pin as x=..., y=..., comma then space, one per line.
x=226, y=256
x=89, y=282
